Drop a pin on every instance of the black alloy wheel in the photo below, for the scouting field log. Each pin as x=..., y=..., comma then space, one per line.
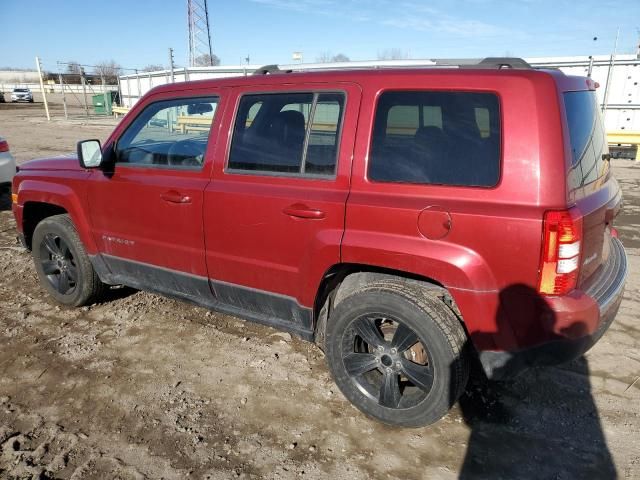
x=387, y=361
x=397, y=351
x=58, y=264
x=62, y=264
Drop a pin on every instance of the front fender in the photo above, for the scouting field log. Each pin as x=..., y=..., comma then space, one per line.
x=58, y=194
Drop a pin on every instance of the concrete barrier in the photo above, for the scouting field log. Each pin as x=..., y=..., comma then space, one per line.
x=623, y=137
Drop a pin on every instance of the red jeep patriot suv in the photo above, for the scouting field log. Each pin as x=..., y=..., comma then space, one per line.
x=407, y=220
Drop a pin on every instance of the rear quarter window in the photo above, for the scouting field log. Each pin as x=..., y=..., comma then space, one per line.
x=438, y=138
x=586, y=136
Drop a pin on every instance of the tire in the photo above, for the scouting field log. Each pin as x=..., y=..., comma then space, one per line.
x=414, y=384
x=58, y=254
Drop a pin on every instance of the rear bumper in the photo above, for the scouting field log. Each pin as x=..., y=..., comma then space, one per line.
x=580, y=320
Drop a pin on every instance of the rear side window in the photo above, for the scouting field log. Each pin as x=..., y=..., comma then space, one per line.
x=295, y=133
x=441, y=138
x=587, y=138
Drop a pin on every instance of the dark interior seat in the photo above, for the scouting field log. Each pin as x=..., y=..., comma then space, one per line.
x=287, y=134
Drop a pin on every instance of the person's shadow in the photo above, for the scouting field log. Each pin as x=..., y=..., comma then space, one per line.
x=542, y=424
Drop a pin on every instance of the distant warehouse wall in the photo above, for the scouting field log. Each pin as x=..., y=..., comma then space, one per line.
x=619, y=86
x=51, y=87
x=622, y=92
x=18, y=76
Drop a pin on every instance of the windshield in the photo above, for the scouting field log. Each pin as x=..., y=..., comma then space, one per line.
x=21, y=90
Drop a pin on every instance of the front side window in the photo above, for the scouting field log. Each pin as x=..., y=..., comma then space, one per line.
x=439, y=138
x=169, y=134
x=295, y=133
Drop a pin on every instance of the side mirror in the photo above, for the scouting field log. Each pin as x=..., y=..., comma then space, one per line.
x=199, y=108
x=89, y=153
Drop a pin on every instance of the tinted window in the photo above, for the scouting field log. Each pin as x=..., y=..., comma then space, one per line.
x=446, y=138
x=324, y=135
x=171, y=134
x=587, y=137
x=287, y=133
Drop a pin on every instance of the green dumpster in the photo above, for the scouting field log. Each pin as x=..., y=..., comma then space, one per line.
x=103, y=102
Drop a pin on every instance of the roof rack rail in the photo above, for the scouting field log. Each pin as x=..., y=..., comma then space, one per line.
x=488, y=62
x=504, y=62
x=270, y=70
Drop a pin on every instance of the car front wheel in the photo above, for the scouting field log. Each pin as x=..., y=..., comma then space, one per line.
x=62, y=265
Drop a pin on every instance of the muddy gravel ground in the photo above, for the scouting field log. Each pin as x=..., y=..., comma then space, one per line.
x=145, y=387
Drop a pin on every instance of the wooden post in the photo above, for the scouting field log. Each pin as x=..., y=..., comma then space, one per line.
x=44, y=95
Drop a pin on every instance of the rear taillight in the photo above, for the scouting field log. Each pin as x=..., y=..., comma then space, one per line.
x=4, y=146
x=560, y=262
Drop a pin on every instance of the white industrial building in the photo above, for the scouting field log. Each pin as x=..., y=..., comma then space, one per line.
x=619, y=90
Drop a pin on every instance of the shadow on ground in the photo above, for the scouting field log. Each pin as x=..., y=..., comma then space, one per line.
x=545, y=421
x=542, y=424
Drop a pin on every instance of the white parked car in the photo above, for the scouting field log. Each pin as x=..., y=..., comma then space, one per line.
x=7, y=165
x=21, y=95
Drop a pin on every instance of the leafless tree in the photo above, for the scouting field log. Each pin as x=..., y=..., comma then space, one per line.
x=206, y=60
x=341, y=57
x=324, y=57
x=109, y=70
x=328, y=57
x=153, y=68
x=393, y=54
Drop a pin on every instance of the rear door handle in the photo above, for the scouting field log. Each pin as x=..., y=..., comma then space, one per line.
x=175, y=197
x=300, y=210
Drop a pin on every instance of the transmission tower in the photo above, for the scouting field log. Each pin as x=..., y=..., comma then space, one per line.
x=199, y=34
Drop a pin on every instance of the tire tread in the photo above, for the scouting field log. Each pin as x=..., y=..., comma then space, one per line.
x=93, y=288
x=424, y=299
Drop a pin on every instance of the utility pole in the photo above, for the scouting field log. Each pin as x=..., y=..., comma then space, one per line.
x=612, y=61
x=44, y=95
x=171, y=65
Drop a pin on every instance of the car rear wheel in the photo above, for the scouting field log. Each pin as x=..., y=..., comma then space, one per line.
x=62, y=264
x=397, y=352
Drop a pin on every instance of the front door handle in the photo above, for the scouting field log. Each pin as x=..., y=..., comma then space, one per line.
x=175, y=197
x=300, y=210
